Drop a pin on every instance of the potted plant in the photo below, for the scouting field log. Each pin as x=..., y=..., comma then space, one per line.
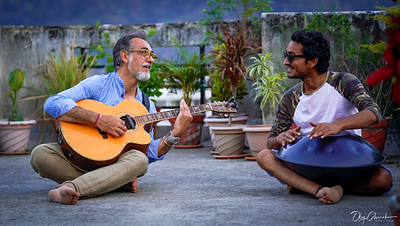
x=235, y=45
x=221, y=90
x=59, y=72
x=185, y=74
x=268, y=86
x=15, y=131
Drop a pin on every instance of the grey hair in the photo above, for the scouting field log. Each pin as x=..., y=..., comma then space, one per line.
x=124, y=43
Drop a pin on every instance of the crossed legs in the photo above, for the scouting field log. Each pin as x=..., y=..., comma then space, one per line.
x=49, y=162
x=377, y=182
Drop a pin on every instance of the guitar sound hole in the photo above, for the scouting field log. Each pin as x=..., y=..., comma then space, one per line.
x=129, y=122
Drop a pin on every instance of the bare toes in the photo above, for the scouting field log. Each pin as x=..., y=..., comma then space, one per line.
x=64, y=194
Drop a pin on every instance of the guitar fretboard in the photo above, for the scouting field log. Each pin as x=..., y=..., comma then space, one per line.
x=160, y=116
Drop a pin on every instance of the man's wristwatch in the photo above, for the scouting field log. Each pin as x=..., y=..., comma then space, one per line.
x=171, y=139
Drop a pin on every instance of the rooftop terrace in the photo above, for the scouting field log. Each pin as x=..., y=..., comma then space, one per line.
x=189, y=187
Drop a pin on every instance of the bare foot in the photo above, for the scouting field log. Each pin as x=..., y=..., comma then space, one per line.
x=132, y=186
x=135, y=185
x=330, y=195
x=64, y=194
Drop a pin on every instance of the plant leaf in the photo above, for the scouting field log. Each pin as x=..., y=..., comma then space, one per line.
x=16, y=79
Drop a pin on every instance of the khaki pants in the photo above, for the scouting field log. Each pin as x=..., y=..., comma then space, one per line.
x=49, y=161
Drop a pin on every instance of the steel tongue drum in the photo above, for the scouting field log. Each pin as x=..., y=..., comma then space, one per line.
x=332, y=160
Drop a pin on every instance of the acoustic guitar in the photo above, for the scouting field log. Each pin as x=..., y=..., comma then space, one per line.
x=88, y=148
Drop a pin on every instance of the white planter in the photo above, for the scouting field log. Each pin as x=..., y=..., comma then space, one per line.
x=229, y=140
x=257, y=136
x=238, y=120
x=14, y=136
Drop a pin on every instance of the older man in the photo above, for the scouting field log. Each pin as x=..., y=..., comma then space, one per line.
x=133, y=57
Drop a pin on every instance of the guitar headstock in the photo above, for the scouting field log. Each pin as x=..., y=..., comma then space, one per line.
x=223, y=107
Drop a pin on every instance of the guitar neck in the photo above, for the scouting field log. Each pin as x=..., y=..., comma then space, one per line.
x=222, y=107
x=164, y=115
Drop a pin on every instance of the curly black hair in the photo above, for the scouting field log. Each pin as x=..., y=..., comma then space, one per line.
x=314, y=46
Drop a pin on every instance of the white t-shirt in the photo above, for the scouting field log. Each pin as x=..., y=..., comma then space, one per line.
x=333, y=107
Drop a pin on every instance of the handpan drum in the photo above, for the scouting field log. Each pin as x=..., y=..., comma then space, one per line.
x=332, y=160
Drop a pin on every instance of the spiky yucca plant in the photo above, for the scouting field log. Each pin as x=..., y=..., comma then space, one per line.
x=60, y=72
x=64, y=71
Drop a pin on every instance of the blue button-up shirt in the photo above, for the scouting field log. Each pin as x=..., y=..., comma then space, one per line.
x=108, y=89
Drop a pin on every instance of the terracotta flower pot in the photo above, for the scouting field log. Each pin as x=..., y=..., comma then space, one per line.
x=229, y=140
x=14, y=136
x=192, y=135
x=257, y=136
x=238, y=120
x=377, y=133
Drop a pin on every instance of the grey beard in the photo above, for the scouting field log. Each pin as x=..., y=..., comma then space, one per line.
x=141, y=76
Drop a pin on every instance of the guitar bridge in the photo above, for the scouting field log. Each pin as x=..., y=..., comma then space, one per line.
x=103, y=134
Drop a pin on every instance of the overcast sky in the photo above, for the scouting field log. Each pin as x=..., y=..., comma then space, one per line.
x=87, y=12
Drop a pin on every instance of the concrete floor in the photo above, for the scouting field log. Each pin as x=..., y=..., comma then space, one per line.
x=189, y=187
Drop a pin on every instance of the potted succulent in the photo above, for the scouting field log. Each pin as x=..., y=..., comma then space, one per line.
x=229, y=64
x=268, y=86
x=185, y=73
x=15, y=131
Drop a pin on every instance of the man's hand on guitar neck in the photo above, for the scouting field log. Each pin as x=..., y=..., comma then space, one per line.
x=181, y=123
x=107, y=123
x=183, y=120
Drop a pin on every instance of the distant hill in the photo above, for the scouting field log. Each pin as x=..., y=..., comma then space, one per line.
x=87, y=12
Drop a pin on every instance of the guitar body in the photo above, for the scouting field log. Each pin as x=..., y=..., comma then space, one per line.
x=88, y=148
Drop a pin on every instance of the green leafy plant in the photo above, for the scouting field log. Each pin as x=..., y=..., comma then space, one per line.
x=221, y=89
x=97, y=52
x=15, y=82
x=183, y=73
x=268, y=85
x=64, y=71
x=228, y=58
x=244, y=10
x=393, y=11
x=60, y=72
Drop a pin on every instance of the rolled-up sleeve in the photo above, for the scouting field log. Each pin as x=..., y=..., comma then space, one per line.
x=61, y=103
